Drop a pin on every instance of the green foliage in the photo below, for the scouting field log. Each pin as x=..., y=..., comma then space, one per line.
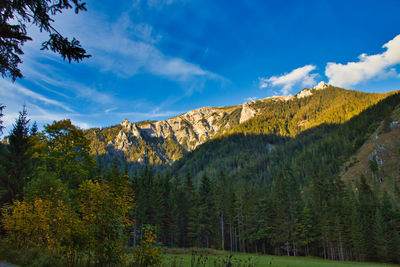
x=212, y=258
x=276, y=120
x=104, y=208
x=289, y=118
x=16, y=17
x=99, y=138
x=1, y=122
x=373, y=165
x=243, y=192
x=60, y=216
x=17, y=163
x=280, y=195
x=67, y=153
x=147, y=253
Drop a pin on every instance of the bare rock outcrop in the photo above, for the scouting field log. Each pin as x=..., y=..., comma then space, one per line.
x=247, y=112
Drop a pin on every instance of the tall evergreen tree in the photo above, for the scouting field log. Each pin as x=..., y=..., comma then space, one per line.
x=1, y=116
x=164, y=209
x=207, y=212
x=18, y=159
x=366, y=214
x=288, y=203
x=191, y=222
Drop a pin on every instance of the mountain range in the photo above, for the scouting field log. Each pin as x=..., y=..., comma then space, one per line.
x=163, y=142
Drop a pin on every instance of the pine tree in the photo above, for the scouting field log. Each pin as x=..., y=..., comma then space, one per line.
x=289, y=204
x=390, y=221
x=366, y=211
x=207, y=213
x=1, y=122
x=191, y=208
x=380, y=235
x=164, y=209
x=15, y=17
x=178, y=215
x=18, y=159
x=266, y=219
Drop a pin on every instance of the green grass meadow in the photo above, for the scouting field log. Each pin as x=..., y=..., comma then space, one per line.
x=220, y=258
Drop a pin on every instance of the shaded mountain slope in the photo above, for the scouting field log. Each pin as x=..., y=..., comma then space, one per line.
x=378, y=159
x=321, y=150
x=160, y=143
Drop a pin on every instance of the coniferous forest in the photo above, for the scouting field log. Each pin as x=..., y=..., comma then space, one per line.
x=289, y=201
x=199, y=133
x=246, y=191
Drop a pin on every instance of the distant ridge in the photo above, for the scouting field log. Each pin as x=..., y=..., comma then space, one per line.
x=163, y=142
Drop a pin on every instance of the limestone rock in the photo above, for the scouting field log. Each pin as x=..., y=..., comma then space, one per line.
x=321, y=85
x=247, y=113
x=304, y=93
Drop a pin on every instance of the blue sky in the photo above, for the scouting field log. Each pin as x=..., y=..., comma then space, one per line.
x=154, y=59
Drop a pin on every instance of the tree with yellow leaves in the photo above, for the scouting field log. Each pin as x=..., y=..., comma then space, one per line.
x=104, y=208
x=147, y=253
x=41, y=223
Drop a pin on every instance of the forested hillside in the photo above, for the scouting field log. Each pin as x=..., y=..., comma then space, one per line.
x=279, y=195
x=290, y=129
x=164, y=142
x=285, y=181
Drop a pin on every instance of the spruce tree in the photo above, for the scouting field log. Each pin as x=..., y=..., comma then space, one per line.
x=191, y=208
x=207, y=212
x=18, y=159
x=366, y=212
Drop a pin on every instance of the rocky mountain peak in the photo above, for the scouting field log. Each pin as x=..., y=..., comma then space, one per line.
x=321, y=85
x=125, y=123
x=304, y=93
x=308, y=92
x=165, y=141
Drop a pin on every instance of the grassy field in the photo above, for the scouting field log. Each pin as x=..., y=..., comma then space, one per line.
x=219, y=258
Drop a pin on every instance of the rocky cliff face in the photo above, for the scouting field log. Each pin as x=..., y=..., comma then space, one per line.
x=163, y=142
x=247, y=112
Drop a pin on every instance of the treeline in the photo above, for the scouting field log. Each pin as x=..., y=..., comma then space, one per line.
x=242, y=192
x=259, y=193
x=260, y=158
x=324, y=218
x=274, y=118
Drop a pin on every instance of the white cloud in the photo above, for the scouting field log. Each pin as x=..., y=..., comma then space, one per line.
x=37, y=114
x=110, y=109
x=15, y=91
x=130, y=57
x=42, y=74
x=368, y=67
x=151, y=115
x=301, y=76
x=121, y=46
x=126, y=48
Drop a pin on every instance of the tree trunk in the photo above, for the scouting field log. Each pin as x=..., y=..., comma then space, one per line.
x=134, y=234
x=287, y=248
x=341, y=247
x=294, y=249
x=222, y=232
x=236, y=240
x=264, y=247
x=230, y=234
